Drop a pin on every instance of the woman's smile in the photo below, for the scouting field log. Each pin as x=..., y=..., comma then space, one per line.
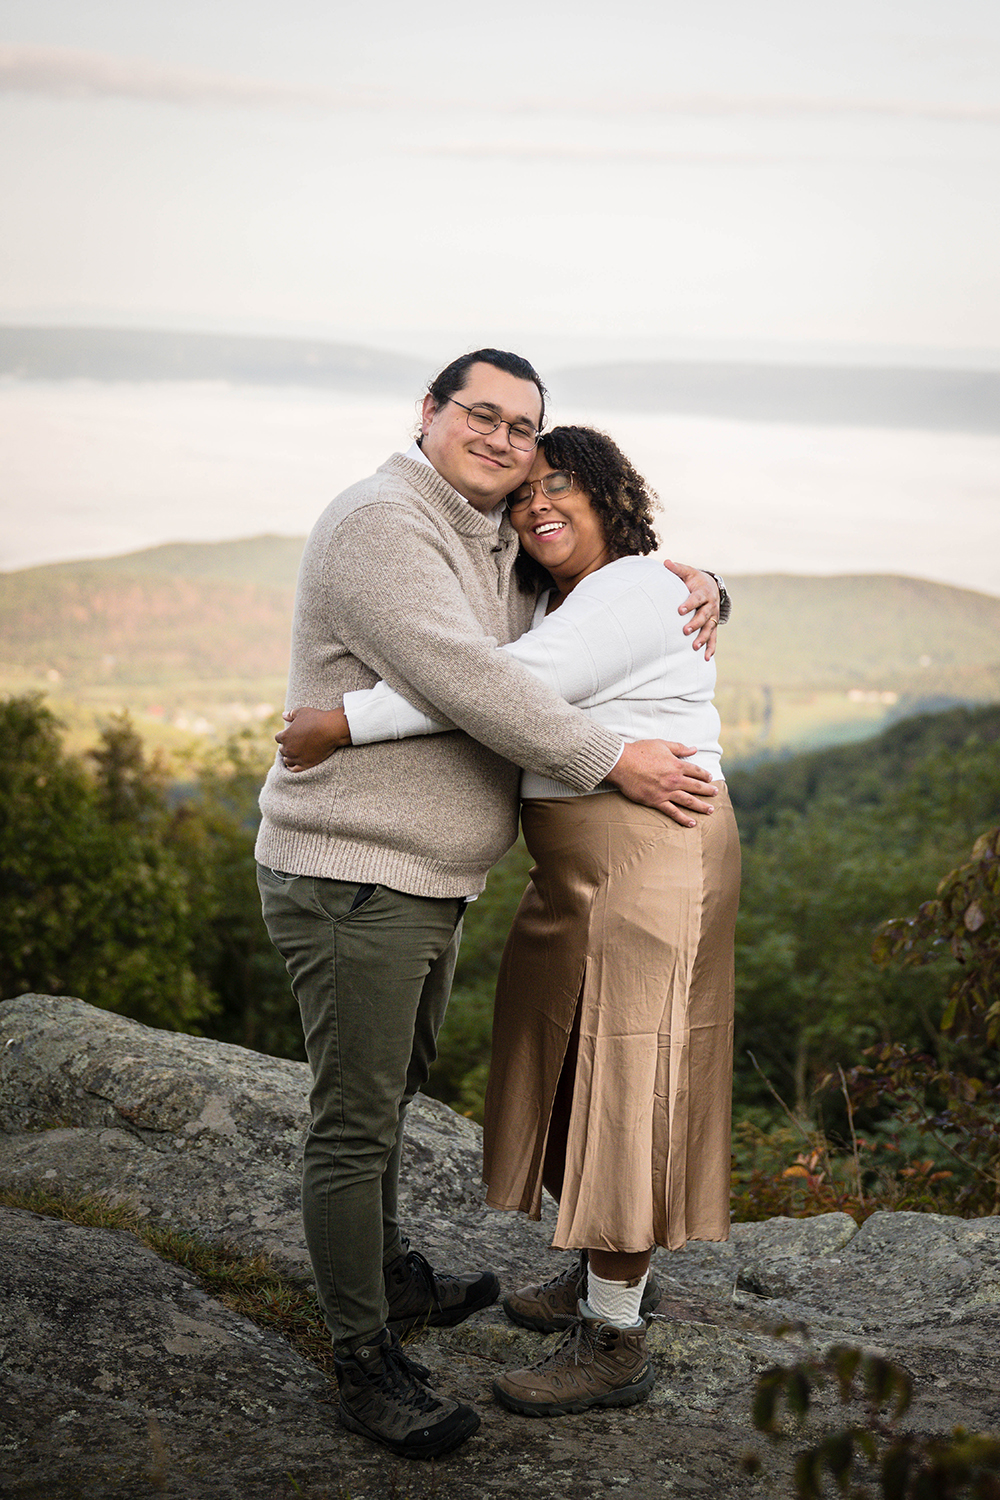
x=563, y=532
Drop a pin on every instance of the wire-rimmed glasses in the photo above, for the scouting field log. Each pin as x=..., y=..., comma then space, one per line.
x=483, y=420
x=558, y=483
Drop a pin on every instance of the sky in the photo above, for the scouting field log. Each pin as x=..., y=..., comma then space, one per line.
x=574, y=179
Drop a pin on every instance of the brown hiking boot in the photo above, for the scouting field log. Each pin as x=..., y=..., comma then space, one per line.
x=595, y=1364
x=553, y=1305
x=419, y=1296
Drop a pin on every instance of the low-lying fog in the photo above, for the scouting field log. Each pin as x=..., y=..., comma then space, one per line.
x=93, y=469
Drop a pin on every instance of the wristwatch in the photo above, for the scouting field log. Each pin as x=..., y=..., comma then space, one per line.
x=725, y=603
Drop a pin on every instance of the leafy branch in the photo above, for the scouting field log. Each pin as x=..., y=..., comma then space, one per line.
x=870, y=1455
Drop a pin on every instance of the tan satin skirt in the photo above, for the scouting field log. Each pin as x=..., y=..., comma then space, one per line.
x=626, y=930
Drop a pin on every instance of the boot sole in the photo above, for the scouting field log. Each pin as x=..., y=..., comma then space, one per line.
x=431, y=1448
x=447, y=1317
x=626, y=1395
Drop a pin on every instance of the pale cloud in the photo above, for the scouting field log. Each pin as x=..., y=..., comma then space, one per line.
x=786, y=106
x=609, y=155
x=638, y=155
x=67, y=72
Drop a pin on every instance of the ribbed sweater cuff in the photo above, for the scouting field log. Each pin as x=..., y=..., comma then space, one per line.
x=594, y=761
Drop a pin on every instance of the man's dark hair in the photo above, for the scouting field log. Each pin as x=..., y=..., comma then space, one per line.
x=453, y=377
x=621, y=497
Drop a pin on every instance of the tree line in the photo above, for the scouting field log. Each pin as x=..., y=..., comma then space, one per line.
x=132, y=886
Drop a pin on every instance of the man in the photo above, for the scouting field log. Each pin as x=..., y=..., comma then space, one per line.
x=367, y=860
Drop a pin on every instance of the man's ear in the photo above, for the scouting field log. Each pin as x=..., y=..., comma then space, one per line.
x=427, y=414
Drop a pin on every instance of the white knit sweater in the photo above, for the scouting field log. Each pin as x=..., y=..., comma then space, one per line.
x=615, y=648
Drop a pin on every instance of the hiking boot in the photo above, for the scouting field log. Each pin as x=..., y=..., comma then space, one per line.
x=418, y=1295
x=595, y=1364
x=385, y=1396
x=553, y=1305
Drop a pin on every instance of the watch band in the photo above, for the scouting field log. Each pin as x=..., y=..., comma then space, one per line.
x=725, y=602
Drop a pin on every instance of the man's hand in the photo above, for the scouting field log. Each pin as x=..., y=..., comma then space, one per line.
x=655, y=773
x=313, y=734
x=703, y=601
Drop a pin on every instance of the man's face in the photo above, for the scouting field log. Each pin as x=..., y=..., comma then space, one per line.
x=483, y=467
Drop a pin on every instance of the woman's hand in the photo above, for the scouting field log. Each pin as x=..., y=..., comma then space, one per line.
x=313, y=734
x=703, y=600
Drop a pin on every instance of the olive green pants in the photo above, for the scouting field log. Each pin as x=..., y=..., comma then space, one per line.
x=371, y=969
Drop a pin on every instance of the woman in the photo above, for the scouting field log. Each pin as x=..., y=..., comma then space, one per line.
x=612, y=1044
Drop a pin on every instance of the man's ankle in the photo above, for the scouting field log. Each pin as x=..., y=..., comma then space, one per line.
x=397, y=1246
x=345, y=1348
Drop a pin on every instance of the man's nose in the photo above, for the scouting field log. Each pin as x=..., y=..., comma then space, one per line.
x=499, y=437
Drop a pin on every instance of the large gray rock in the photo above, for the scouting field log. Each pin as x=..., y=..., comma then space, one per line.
x=201, y=1133
x=121, y=1379
x=119, y=1371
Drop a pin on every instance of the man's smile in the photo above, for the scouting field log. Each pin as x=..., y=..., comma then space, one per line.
x=491, y=458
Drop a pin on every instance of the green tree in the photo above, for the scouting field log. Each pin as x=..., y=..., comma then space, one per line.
x=95, y=902
x=953, y=1095
x=818, y=880
x=459, y=1075
x=255, y=1005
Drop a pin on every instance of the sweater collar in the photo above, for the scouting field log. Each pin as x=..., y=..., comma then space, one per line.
x=431, y=486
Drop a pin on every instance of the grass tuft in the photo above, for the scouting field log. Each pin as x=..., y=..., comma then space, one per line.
x=247, y=1284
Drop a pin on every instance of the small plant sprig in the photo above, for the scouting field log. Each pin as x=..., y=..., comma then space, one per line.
x=963, y=919
x=953, y=1098
x=869, y=1456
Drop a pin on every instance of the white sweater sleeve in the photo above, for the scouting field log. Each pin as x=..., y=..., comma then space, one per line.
x=380, y=713
x=618, y=628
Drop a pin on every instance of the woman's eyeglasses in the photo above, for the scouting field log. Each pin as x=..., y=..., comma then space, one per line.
x=560, y=482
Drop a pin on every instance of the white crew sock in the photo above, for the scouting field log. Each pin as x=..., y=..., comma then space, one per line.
x=614, y=1302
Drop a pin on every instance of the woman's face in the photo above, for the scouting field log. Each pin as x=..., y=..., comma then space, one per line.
x=563, y=532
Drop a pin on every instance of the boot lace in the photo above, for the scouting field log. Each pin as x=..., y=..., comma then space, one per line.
x=571, y=1273
x=418, y=1265
x=582, y=1338
x=406, y=1380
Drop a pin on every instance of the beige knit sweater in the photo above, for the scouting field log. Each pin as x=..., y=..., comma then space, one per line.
x=401, y=579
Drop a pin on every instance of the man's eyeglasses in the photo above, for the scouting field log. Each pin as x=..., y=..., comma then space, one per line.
x=481, y=419
x=560, y=482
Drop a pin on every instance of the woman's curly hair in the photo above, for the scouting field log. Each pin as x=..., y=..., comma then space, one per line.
x=620, y=496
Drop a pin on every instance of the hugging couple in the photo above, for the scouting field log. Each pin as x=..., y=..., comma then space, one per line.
x=479, y=629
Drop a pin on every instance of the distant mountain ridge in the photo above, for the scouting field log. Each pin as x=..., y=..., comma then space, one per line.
x=931, y=399
x=204, y=611
x=850, y=396
x=132, y=354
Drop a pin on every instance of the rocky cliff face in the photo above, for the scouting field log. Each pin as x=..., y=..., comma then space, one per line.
x=121, y=1378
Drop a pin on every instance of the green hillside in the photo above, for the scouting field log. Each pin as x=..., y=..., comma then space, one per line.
x=151, y=617
x=809, y=661
x=191, y=633
x=191, y=638
x=865, y=775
